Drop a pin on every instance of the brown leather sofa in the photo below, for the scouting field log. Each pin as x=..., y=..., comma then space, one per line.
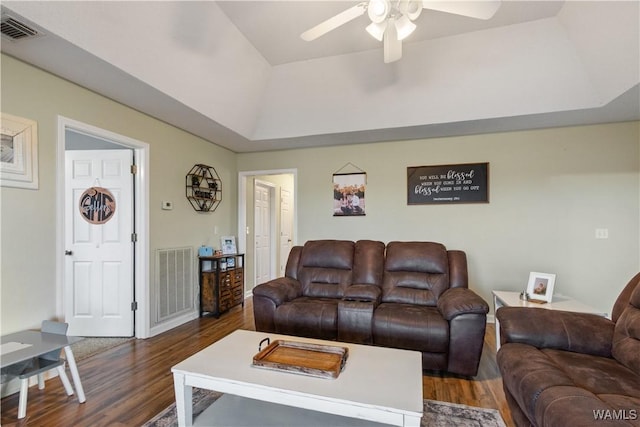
x=572, y=369
x=408, y=295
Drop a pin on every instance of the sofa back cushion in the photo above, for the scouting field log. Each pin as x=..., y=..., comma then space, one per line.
x=415, y=273
x=626, y=337
x=325, y=268
x=368, y=263
x=291, y=270
x=622, y=302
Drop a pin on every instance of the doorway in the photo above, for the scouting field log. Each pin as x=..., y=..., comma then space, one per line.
x=267, y=222
x=99, y=225
x=94, y=142
x=263, y=230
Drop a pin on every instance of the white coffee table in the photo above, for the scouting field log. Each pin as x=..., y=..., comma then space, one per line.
x=377, y=384
x=559, y=302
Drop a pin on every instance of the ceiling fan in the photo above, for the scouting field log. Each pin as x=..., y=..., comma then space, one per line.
x=392, y=20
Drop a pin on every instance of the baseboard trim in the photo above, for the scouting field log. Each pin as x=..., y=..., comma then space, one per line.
x=173, y=323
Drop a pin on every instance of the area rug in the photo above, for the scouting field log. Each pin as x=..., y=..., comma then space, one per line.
x=89, y=346
x=436, y=414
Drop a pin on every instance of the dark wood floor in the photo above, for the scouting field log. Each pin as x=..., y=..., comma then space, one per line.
x=128, y=384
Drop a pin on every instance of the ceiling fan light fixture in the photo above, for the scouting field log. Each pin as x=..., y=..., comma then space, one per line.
x=377, y=30
x=378, y=10
x=392, y=20
x=413, y=8
x=404, y=27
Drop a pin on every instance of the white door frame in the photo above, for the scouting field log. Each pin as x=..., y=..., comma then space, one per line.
x=141, y=217
x=243, y=177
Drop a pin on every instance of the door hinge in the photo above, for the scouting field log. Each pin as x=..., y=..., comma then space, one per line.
x=134, y=169
x=134, y=306
x=134, y=237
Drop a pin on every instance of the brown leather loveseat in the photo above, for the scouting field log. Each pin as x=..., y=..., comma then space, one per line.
x=408, y=295
x=572, y=369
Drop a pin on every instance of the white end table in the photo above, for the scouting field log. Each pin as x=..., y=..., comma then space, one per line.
x=560, y=302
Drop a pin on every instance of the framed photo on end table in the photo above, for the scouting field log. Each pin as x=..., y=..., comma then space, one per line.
x=228, y=245
x=540, y=286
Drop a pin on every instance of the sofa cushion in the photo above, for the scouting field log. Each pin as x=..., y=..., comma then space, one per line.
x=626, y=336
x=325, y=268
x=308, y=317
x=423, y=257
x=549, y=383
x=415, y=273
x=573, y=406
x=411, y=327
x=368, y=262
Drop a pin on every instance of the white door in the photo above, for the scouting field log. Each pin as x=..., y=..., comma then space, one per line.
x=99, y=250
x=286, y=227
x=262, y=229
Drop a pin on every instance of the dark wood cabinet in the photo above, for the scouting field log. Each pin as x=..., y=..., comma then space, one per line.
x=221, y=283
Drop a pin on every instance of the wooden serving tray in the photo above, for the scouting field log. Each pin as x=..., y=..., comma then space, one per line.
x=324, y=361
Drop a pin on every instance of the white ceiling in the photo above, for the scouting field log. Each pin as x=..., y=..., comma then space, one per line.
x=274, y=27
x=236, y=72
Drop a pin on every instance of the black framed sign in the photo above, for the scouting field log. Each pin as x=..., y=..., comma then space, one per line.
x=460, y=183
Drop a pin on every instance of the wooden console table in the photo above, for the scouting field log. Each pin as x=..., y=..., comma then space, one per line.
x=221, y=283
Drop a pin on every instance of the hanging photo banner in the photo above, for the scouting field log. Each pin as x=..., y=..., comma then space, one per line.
x=348, y=194
x=97, y=205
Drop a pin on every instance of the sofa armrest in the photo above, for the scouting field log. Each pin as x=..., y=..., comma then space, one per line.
x=562, y=330
x=368, y=293
x=279, y=290
x=466, y=313
x=456, y=301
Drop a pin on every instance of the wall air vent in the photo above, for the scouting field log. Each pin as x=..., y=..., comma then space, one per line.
x=13, y=29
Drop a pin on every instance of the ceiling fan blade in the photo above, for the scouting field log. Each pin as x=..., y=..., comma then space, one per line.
x=334, y=22
x=480, y=9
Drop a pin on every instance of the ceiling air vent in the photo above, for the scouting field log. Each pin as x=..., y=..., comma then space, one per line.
x=15, y=30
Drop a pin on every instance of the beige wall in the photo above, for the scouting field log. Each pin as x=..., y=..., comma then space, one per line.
x=28, y=217
x=549, y=191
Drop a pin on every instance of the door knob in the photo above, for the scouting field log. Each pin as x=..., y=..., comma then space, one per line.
x=68, y=252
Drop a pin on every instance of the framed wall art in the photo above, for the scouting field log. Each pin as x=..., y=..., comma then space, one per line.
x=447, y=184
x=18, y=152
x=348, y=194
